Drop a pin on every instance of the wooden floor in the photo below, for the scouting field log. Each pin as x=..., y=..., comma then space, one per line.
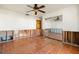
x=37, y=45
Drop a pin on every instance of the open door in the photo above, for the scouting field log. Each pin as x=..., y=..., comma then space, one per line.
x=39, y=27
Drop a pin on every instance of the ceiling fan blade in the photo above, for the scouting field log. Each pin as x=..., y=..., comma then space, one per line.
x=35, y=13
x=35, y=5
x=41, y=7
x=41, y=11
x=30, y=10
x=29, y=6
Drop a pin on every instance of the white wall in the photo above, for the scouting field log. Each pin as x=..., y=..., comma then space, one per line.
x=46, y=24
x=70, y=18
x=10, y=20
x=70, y=21
x=50, y=23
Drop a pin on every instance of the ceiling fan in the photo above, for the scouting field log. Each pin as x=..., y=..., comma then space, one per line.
x=36, y=9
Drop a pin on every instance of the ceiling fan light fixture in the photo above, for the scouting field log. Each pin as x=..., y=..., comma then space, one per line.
x=36, y=9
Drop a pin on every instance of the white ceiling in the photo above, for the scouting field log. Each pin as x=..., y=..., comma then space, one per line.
x=22, y=8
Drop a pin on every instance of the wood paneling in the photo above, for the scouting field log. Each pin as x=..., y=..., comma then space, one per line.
x=28, y=33
x=76, y=38
x=67, y=36
x=71, y=37
x=48, y=33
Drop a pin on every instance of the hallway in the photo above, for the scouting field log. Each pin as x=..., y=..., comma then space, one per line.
x=37, y=45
